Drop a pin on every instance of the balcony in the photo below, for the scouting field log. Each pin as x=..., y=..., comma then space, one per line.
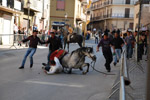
x=7, y=3
x=107, y=3
x=35, y=5
x=113, y=16
x=11, y=6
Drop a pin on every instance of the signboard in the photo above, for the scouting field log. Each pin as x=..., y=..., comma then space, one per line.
x=58, y=23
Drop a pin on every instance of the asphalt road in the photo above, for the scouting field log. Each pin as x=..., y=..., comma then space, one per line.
x=34, y=84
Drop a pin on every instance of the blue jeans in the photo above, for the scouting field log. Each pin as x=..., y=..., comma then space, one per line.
x=30, y=51
x=48, y=60
x=118, y=55
x=129, y=50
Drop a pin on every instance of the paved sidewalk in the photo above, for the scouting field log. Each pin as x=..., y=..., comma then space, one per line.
x=138, y=81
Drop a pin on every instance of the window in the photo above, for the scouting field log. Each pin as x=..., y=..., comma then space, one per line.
x=60, y=5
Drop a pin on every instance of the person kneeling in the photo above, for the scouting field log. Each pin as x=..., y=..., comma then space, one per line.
x=56, y=67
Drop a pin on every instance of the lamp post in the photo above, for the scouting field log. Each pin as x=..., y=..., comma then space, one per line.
x=66, y=15
x=28, y=5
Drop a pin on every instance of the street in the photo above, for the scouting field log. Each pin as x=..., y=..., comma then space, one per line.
x=34, y=84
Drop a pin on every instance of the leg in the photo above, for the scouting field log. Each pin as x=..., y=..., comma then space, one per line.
x=48, y=61
x=115, y=58
x=70, y=71
x=108, y=57
x=80, y=44
x=85, y=64
x=68, y=46
x=25, y=57
x=31, y=56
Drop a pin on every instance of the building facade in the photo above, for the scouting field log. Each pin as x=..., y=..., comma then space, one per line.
x=66, y=12
x=9, y=10
x=145, y=15
x=113, y=14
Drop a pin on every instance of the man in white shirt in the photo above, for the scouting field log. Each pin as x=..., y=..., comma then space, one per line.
x=56, y=67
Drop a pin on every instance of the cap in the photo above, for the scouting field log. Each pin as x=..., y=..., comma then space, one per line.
x=35, y=30
x=52, y=32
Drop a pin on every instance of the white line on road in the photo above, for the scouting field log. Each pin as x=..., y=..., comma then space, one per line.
x=55, y=84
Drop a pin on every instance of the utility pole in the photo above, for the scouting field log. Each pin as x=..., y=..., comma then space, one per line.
x=28, y=5
x=148, y=70
x=139, y=26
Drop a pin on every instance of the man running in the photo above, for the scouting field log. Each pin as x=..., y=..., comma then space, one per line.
x=106, y=49
x=34, y=40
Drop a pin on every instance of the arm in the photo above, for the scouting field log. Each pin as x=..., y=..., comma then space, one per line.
x=25, y=40
x=100, y=44
x=112, y=45
x=41, y=42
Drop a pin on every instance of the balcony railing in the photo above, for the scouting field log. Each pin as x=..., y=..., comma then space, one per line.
x=13, y=4
x=114, y=15
x=109, y=3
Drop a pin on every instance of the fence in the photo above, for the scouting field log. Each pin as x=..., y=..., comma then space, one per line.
x=13, y=40
x=123, y=80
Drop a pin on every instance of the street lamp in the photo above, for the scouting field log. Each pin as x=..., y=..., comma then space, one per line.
x=28, y=6
x=66, y=15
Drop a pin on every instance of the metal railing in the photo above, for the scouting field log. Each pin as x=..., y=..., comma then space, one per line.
x=13, y=40
x=104, y=4
x=114, y=15
x=123, y=80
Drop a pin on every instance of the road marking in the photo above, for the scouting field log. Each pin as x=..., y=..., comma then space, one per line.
x=55, y=84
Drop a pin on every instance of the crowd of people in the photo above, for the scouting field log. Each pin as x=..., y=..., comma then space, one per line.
x=22, y=33
x=112, y=44
x=117, y=40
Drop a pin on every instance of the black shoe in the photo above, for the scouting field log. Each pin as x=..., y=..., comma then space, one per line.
x=115, y=64
x=44, y=64
x=108, y=70
x=117, y=60
x=31, y=65
x=21, y=67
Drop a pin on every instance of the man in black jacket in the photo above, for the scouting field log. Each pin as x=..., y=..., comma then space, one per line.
x=34, y=40
x=118, y=44
x=55, y=44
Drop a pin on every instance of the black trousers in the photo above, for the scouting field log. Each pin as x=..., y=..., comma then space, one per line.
x=96, y=40
x=109, y=58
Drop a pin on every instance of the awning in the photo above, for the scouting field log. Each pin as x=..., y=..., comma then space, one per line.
x=10, y=10
x=58, y=23
x=32, y=9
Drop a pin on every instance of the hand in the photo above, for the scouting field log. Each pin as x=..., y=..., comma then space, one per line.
x=46, y=45
x=45, y=71
x=97, y=49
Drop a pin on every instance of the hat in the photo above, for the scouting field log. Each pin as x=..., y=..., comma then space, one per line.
x=35, y=31
x=106, y=34
x=52, y=32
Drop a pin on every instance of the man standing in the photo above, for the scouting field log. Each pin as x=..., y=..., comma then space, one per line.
x=34, y=40
x=70, y=31
x=129, y=41
x=55, y=44
x=106, y=49
x=118, y=44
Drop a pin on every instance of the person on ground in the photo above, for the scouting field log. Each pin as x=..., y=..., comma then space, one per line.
x=56, y=67
x=106, y=44
x=34, y=40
